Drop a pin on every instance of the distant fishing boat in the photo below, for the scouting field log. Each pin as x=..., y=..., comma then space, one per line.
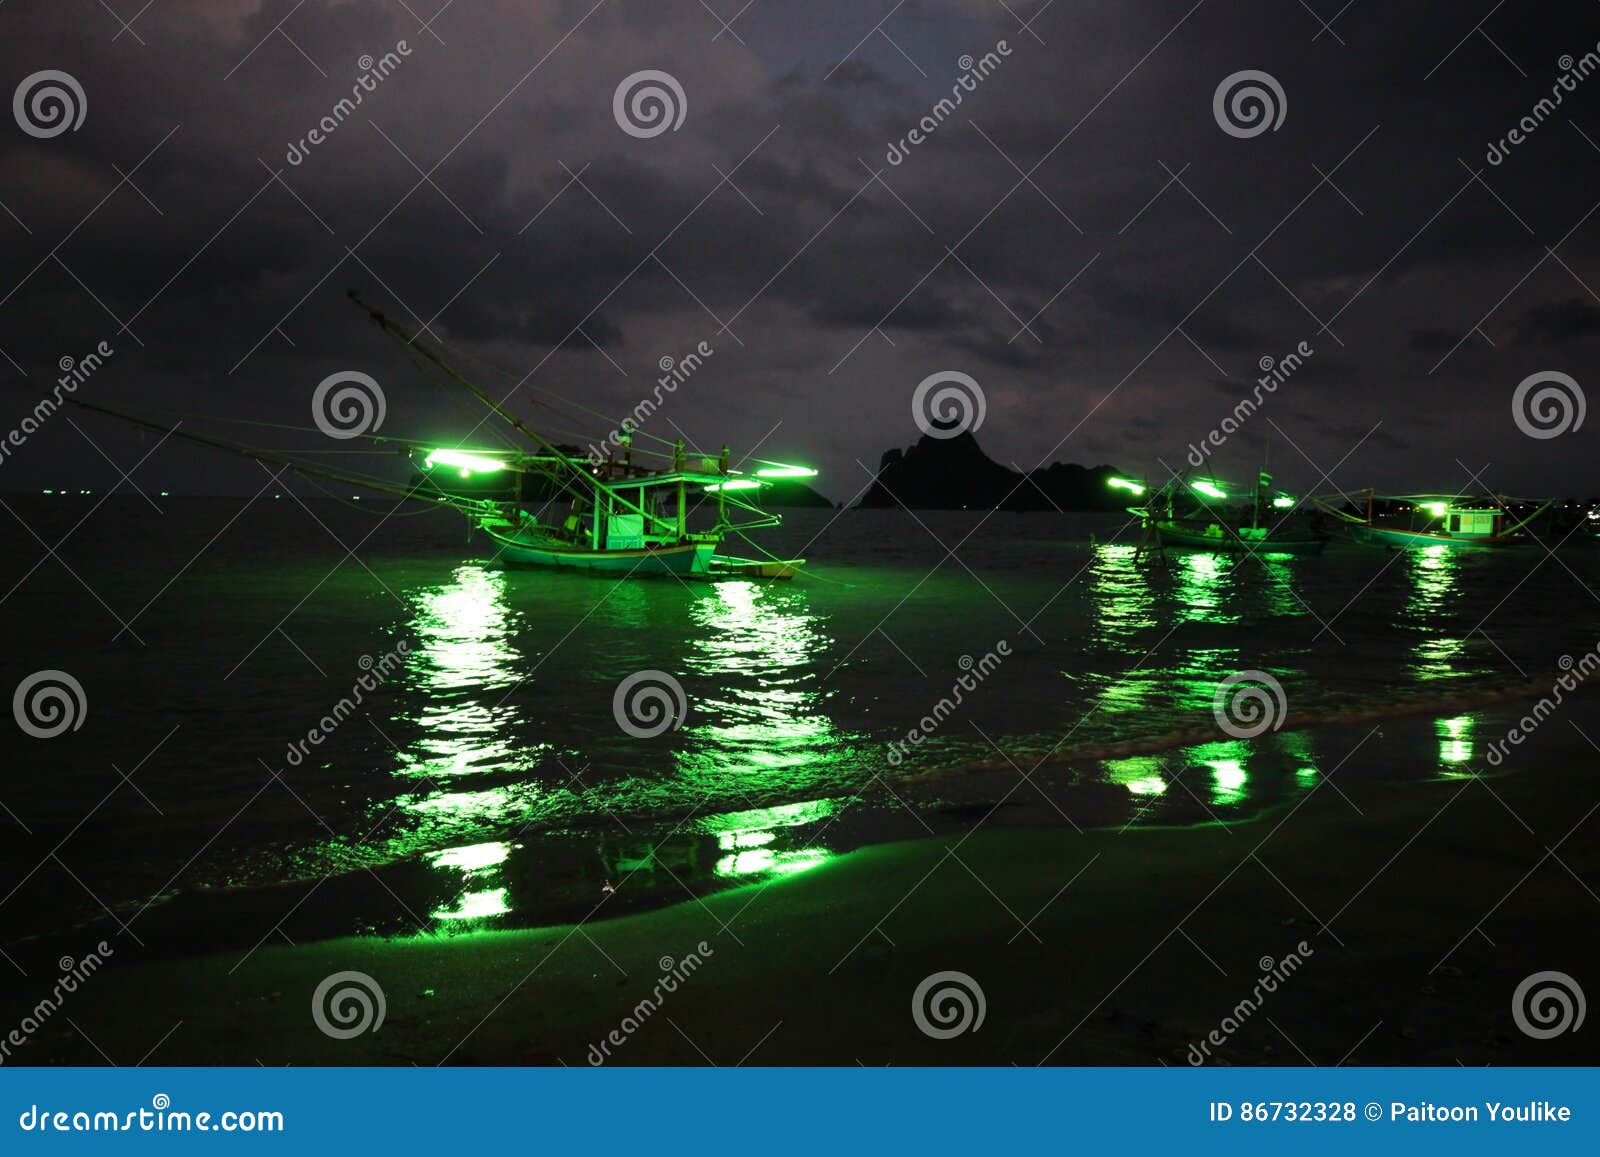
x=1202, y=514
x=1420, y=521
x=622, y=518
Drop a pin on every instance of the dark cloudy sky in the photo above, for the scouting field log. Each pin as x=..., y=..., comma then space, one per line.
x=575, y=256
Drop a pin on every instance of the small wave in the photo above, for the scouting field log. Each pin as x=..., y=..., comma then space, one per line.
x=1370, y=708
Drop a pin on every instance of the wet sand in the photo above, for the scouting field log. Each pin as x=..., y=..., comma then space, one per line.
x=1137, y=944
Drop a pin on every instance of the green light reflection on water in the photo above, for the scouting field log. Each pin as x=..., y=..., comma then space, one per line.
x=461, y=653
x=478, y=864
x=1226, y=759
x=769, y=732
x=476, y=906
x=764, y=818
x=749, y=836
x=765, y=861
x=1123, y=604
x=461, y=662
x=1435, y=580
x=1204, y=583
x=1455, y=745
x=1140, y=774
x=1298, y=747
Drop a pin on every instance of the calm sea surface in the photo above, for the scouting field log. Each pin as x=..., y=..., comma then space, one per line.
x=486, y=780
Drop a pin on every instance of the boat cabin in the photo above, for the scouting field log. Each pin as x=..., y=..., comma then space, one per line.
x=1473, y=523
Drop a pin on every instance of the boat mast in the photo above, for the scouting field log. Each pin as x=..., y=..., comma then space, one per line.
x=393, y=327
x=589, y=482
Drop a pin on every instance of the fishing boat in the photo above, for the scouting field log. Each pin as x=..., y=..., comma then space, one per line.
x=1420, y=521
x=621, y=518
x=1202, y=514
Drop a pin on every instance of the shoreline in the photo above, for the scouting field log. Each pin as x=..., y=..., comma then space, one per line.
x=933, y=799
x=1104, y=947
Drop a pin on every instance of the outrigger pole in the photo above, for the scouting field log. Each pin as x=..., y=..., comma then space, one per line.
x=270, y=459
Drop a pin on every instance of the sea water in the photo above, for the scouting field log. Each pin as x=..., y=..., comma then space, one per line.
x=347, y=722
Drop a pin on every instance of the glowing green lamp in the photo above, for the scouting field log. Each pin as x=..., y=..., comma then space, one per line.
x=466, y=463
